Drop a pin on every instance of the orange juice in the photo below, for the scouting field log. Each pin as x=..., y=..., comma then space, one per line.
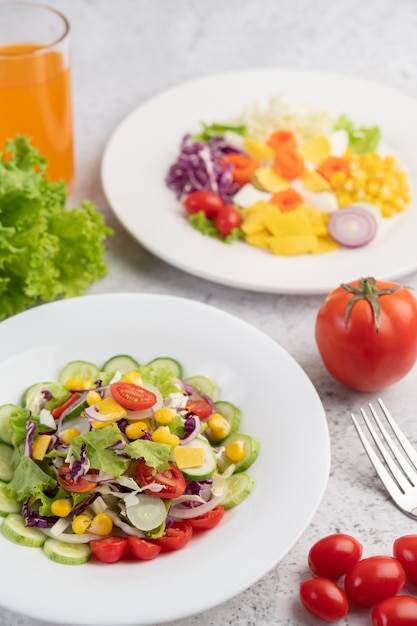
x=35, y=100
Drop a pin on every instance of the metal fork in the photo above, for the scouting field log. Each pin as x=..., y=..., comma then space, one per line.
x=397, y=464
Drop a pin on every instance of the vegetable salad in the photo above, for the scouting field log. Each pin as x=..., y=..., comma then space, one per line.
x=288, y=180
x=122, y=459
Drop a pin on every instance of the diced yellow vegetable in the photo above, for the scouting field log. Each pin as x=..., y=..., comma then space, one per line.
x=93, y=397
x=316, y=150
x=164, y=435
x=40, y=446
x=110, y=411
x=76, y=383
x=164, y=415
x=134, y=378
x=314, y=182
x=188, y=457
x=325, y=244
x=61, y=508
x=68, y=434
x=258, y=151
x=259, y=240
x=290, y=223
x=267, y=179
x=318, y=221
x=287, y=245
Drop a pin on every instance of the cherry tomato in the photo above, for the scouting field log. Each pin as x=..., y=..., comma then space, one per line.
x=366, y=333
x=373, y=579
x=323, y=598
x=405, y=550
x=208, y=520
x=395, y=611
x=81, y=485
x=175, y=537
x=142, y=549
x=172, y=480
x=132, y=397
x=207, y=201
x=227, y=219
x=200, y=407
x=109, y=549
x=333, y=555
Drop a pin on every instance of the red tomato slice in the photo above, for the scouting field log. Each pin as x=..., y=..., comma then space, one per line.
x=142, y=549
x=172, y=480
x=81, y=485
x=200, y=407
x=109, y=549
x=208, y=520
x=132, y=397
x=176, y=536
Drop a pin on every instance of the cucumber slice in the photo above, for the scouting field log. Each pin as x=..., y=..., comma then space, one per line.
x=84, y=370
x=7, y=504
x=202, y=472
x=6, y=468
x=251, y=449
x=14, y=529
x=67, y=553
x=166, y=362
x=79, y=407
x=5, y=412
x=231, y=414
x=239, y=486
x=204, y=384
x=33, y=397
x=122, y=363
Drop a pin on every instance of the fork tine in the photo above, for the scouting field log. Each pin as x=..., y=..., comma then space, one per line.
x=408, y=448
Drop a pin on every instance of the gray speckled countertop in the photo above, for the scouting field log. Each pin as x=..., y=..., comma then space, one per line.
x=125, y=52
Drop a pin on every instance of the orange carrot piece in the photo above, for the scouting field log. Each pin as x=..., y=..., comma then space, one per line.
x=287, y=200
x=288, y=164
x=243, y=168
x=332, y=165
x=282, y=139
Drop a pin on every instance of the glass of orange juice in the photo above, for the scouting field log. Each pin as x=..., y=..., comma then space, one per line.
x=35, y=83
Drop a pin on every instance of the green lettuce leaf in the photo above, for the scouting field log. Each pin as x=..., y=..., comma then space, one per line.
x=155, y=454
x=98, y=441
x=361, y=139
x=29, y=480
x=206, y=226
x=161, y=378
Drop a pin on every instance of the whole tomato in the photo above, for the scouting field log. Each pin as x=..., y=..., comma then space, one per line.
x=227, y=219
x=323, y=598
x=333, y=555
x=366, y=333
x=395, y=611
x=373, y=579
x=405, y=550
x=207, y=201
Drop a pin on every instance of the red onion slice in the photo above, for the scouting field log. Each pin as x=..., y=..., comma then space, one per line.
x=352, y=226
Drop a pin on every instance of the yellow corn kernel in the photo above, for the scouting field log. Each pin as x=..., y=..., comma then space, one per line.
x=164, y=415
x=68, y=434
x=102, y=525
x=135, y=430
x=373, y=187
x=133, y=377
x=40, y=446
x=61, y=508
x=219, y=426
x=338, y=179
x=164, y=435
x=80, y=524
x=73, y=383
x=235, y=451
x=93, y=397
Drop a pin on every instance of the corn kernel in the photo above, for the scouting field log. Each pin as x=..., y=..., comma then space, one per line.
x=164, y=415
x=68, y=434
x=164, y=435
x=219, y=426
x=136, y=430
x=133, y=377
x=102, y=524
x=235, y=451
x=61, y=508
x=80, y=524
x=73, y=383
x=93, y=397
x=338, y=179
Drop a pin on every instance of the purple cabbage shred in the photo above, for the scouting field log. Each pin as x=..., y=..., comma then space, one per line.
x=34, y=518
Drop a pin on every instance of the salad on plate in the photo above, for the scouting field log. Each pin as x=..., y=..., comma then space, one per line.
x=122, y=461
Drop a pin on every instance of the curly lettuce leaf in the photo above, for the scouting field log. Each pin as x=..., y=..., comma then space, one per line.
x=98, y=442
x=156, y=455
x=361, y=139
x=206, y=226
x=29, y=480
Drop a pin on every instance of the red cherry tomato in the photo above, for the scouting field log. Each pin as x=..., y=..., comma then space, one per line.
x=109, y=549
x=227, y=219
x=175, y=537
x=200, y=407
x=405, y=550
x=323, y=598
x=132, y=397
x=208, y=520
x=395, y=611
x=373, y=579
x=142, y=549
x=81, y=485
x=171, y=479
x=333, y=555
x=207, y=201
x=360, y=351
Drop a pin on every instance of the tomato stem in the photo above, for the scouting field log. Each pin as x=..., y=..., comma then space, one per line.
x=368, y=290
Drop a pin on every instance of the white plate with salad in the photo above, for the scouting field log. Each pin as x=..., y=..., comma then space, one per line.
x=86, y=346
x=147, y=143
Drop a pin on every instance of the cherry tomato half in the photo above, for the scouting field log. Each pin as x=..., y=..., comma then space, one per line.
x=373, y=579
x=208, y=520
x=132, y=397
x=323, y=598
x=81, y=485
x=109, y=549
x=171, y=479
x=175, y=537
x=405, y=550
x=333, y=555
x=207, y=201
x=142, y=549
x=227, y=219
x=201, y=408
x=395, y=611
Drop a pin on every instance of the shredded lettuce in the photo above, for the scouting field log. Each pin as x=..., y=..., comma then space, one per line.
x=218, y=130
x=46, y=250
x=361, y=139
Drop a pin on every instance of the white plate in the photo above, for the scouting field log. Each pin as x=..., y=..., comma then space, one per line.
x=143, y=147
x=279, y=406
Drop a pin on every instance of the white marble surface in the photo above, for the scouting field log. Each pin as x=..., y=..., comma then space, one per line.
x=125, y=52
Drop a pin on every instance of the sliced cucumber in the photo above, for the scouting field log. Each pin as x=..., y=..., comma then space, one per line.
x=5, y=412
x=14, y=529
x=67, y=553
x=231, y=414
x=204, y=384
x=207, y=469
x=122, y=363
x=76, y=411
x=239, y=486
x=251, y=452
x=166, y=362
x=6, y=468
x=84, y=370
x=7, y=504
x=33, y=397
